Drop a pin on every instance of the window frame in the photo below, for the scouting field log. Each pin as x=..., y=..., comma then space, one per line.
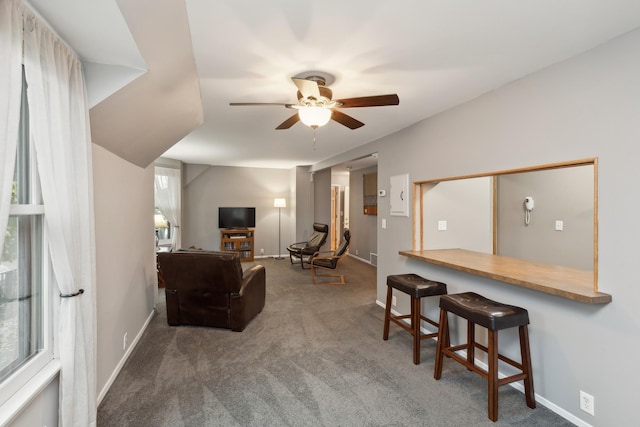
x=36, y=370
x=27, y=370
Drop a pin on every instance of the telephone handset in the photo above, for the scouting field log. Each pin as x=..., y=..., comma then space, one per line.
x=528, y=207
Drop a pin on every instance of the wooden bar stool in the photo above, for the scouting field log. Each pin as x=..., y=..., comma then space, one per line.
x=494, y=316
x=416, y=287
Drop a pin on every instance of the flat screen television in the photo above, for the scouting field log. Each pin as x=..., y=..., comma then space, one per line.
x=236, y=217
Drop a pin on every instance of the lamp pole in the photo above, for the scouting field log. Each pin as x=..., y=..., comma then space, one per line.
x=279, y=203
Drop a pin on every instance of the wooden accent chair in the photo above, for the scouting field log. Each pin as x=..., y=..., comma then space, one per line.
x=329, y=260
x=301, y=252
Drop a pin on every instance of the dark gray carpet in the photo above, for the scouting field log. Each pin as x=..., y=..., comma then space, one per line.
x=314, y=357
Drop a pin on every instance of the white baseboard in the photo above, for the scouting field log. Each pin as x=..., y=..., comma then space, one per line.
x=360, y=259
x=125, y=357
x=517, y=385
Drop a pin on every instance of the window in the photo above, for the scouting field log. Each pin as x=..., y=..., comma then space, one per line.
x=23, y=312
x=163, y=228
x=167, y=212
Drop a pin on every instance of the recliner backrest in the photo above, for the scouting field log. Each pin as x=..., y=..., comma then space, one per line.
x=344, y=243
x=341, y=249
x=319, y=236
x=220, y=271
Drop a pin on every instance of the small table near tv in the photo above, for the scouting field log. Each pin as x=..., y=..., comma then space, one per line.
x=238, y=240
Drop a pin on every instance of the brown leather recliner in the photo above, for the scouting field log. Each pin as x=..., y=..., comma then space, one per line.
x=205, y=288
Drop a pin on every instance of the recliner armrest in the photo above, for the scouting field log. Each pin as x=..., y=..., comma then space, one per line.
x=250, y=299
x=252, y=277
x=297, y=246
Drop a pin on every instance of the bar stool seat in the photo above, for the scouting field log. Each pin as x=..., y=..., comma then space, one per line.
x=494, y=316
x=416, y=287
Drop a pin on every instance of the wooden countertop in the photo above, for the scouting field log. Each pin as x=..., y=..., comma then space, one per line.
x=571, y=283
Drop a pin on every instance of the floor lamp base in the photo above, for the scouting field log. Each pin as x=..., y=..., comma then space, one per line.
x=278, y=257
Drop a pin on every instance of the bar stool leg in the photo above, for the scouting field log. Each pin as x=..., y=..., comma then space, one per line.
x=492, y=361
x=471, y=342
x=526, y=366
x=415, y=327
x=443, y=341
x=387, y=314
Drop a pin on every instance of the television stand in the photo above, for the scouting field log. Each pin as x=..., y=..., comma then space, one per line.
x=238, y=240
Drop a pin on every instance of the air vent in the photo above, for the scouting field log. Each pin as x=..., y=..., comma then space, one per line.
x=373, y=258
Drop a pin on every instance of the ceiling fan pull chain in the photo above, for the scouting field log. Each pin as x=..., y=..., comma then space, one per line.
x=314, y=139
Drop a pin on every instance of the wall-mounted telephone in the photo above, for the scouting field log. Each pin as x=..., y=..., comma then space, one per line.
x=528, y=207
x=528, y=203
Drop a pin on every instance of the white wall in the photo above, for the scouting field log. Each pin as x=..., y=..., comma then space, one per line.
x=561, y=194
x=466, y=207
x=302, y=204
x=42, y=410
x=322, y=199
x=125, y=253
x=588, y=106
x=210, y=187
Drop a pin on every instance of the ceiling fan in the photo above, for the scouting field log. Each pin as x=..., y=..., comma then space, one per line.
x=315, y=106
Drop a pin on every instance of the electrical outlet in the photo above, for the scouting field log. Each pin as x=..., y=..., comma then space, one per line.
x=587, y=403
x=124, y=341
x=442, y=225
x=393, y=301
x=356, y=252
x=261, y=251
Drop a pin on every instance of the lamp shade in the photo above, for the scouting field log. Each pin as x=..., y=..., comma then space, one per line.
x=279, y=203
x=314, y=116
x=160, y=221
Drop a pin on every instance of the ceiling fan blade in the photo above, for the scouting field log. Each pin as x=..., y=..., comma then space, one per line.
x=370, y=101
x=289, y=122
x=252, y=104
x=346, y=120
x=308, y=88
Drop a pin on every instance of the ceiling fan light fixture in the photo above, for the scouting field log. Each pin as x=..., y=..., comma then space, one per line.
x=314, y=116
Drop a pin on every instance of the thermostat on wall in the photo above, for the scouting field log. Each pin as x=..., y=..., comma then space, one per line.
x=382, y=193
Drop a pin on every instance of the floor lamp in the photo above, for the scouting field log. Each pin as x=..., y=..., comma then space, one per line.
x=279, y=203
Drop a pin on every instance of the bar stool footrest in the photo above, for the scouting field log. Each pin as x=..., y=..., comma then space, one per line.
x=398, y=321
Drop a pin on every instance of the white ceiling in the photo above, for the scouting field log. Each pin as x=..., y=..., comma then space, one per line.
x=434, y=54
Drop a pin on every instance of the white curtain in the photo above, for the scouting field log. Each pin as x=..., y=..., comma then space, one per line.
x=60, y=133
x=167, y=198
x=10, y=95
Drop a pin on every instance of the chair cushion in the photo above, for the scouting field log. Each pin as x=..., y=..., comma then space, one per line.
x=483, y=311
x=344, y=244
x=327, y=263
x=416, y=286
x=315, y=240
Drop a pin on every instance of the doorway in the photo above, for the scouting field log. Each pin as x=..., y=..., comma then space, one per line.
x=335, y=217
x=348, y=209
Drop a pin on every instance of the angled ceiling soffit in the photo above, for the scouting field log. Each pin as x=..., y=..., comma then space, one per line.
x=158, y=108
